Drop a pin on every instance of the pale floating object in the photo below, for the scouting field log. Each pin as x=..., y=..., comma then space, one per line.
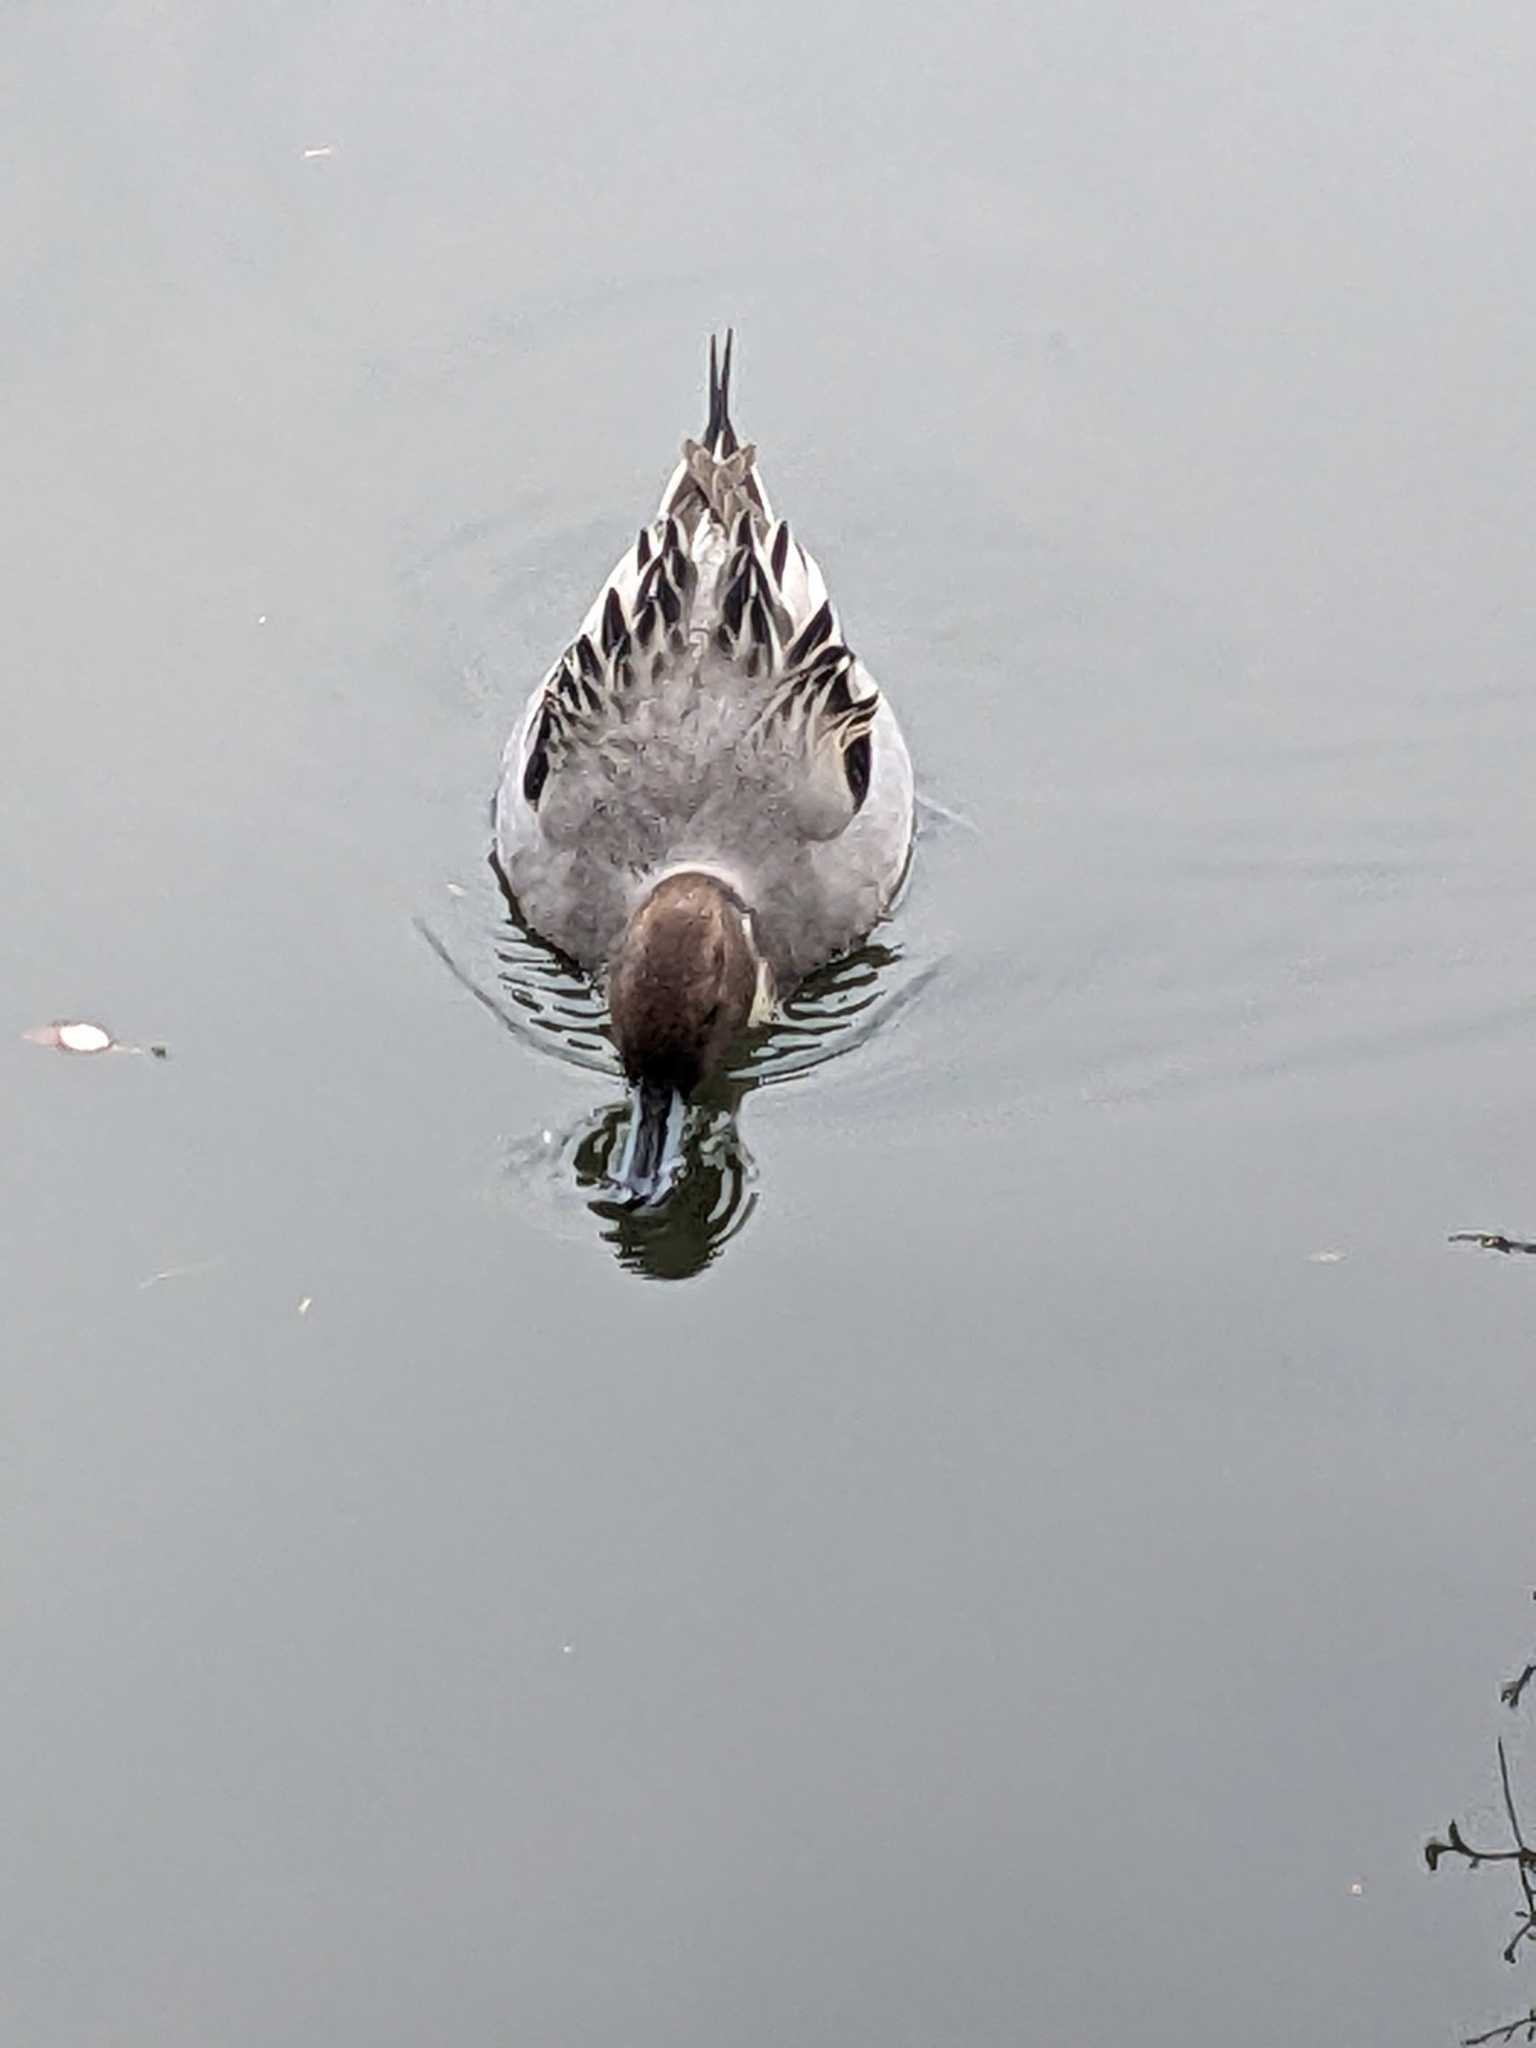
x=83, y=1037
x=78, y=1037
x=181, y=1272
x=71, y=1037
x=454, y=888
x=1325, y=1258
x=1357, y=1890
x=323, y=149
x=304, y=1304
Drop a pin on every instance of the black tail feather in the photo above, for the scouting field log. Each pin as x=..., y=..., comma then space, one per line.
x=719, y=434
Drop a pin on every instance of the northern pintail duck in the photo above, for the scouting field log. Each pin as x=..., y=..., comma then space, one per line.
x=707, y=796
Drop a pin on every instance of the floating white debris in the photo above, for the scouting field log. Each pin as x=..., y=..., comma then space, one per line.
x=1357, y=1890
x=71, y=1037
x=261, y=618
x=324, y=149
x=78, y=1037
x=454, y=888
x=304, y=1304
x=83, y=1037
x=181, y=1272
x=1325, y=1258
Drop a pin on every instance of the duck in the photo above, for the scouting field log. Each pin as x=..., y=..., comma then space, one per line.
x=708, y=796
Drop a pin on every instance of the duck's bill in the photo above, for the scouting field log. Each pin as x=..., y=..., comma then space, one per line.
x=653, y=1146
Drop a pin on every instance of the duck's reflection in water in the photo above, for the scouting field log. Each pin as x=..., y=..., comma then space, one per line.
x=539, y=996
x=708, y=1201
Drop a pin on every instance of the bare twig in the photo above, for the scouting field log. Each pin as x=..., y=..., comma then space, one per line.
x=1527, y=1928
x=1491, y=1240
x=1456, y=1845
x=1505, y=2033
x=1521, y=1854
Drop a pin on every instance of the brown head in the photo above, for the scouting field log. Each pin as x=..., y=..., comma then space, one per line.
x=683, y=981
x=681, y=988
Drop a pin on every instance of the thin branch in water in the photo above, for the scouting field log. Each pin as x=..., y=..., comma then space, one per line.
x=1491, y=1240
x=1505, y=2033
x=1455, y=1844
x=1527, y=1929
x=1522, y=1855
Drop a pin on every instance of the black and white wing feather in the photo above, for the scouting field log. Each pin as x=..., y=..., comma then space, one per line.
x=716, y=587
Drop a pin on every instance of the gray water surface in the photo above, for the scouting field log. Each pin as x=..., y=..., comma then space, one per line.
x=1044, y=1563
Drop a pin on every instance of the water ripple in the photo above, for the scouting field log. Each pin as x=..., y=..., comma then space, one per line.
x=544, y=1000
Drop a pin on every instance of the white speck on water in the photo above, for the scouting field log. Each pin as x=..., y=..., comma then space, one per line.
x=304, y=1304
x=323, y=149
x=1357, y=1890
x=454, y=888
x=261, y=618
x=84, y=1038
x=1325, y=1258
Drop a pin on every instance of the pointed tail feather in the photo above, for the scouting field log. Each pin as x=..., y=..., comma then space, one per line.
x=719, y=435
x=717, y=475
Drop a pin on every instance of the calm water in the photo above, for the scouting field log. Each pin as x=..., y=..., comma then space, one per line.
x=1017, y=1590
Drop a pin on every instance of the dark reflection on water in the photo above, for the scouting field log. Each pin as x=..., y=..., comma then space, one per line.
x=544, y=999
x=706, y=1206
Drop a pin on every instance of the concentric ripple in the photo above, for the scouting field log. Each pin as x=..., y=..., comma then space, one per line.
x=542, y=998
